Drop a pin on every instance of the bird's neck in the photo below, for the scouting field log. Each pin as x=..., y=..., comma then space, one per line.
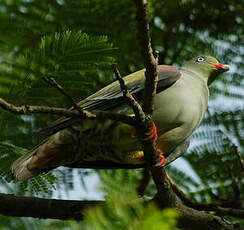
x=195, y=74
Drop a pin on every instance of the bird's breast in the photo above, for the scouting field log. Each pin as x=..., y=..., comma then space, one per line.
x=179, y=110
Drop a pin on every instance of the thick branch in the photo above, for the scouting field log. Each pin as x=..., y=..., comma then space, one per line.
x=165, y=196
x=44, y=208
x=11, y=205
x=190, y=218
x=149, y=146
x=147, y=54
x=144, y=182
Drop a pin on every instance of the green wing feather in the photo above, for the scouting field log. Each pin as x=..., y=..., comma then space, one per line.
x=111, y=96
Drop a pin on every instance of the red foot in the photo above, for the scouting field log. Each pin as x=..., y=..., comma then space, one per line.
x=162, y=160
x=152, y=134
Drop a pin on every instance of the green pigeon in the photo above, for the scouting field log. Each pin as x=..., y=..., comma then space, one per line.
x=179, y=106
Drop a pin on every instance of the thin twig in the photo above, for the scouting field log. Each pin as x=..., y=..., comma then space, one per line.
x=100, y=115
x=224, y=211
x=241, y=174
x=55, y=84
x=216, y=197
x=235, y=185
x=241, y=160
x=28, y=109
x=129, y=98
x=227, y=202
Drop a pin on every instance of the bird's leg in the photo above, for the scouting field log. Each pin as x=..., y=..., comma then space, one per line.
x=152, y=134
x=162, y=159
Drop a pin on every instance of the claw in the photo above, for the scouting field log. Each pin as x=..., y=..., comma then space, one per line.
x=152, y=134
x=162, y=159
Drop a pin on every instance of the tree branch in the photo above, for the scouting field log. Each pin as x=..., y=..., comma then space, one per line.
x=150, y=62
x=236, y=185
x=218, y=208
x=11, y=205
x=129, y=98
x=149, y=146
x=235, y=201
x=190, y=218
x=100, y=115
x=29, y=109
x=241, y=160
x=54, y=83
x=144, y=182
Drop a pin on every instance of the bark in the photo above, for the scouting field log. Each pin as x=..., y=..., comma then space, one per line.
x=11, y=205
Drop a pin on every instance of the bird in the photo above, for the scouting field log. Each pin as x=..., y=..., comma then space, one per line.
x=179, y=107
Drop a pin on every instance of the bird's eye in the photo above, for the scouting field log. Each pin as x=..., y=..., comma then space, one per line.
x=200, y=59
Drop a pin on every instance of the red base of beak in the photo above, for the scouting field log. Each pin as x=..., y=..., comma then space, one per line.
x=219, y=66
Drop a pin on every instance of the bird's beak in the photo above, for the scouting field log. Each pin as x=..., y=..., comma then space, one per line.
x=221, y=67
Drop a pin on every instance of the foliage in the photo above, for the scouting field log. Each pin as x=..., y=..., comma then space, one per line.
x=59, y=55
x=123, y=210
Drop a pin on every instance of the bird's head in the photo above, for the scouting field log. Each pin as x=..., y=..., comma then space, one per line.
x=206, y=66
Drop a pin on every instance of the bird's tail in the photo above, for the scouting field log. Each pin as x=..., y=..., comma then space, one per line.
x=51, y=153
x=20, y=170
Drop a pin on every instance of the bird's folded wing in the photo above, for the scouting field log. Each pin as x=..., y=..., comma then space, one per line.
x=111, y=96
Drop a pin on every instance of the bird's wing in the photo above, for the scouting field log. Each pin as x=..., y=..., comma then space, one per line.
x=111, y=96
